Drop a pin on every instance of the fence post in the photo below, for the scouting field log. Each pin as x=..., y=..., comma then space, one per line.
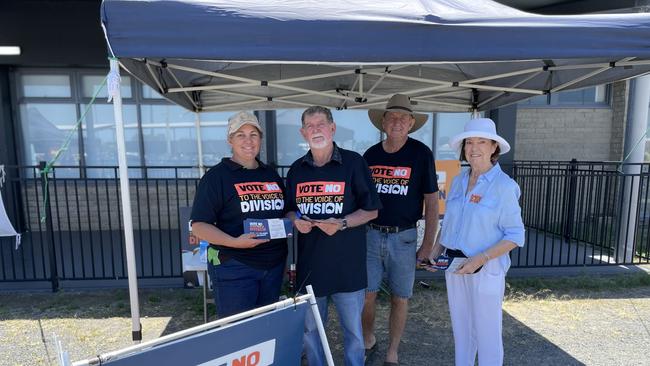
x=571, y=199
x=49, y=227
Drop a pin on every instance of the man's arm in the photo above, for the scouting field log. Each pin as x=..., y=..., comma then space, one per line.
x=430, y=226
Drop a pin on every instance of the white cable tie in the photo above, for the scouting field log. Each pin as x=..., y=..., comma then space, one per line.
x=113, y=83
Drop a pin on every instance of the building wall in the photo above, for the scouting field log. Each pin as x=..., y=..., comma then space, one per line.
x=619, y=116
x=563, y=134
x=591, y=134
x=53, y=33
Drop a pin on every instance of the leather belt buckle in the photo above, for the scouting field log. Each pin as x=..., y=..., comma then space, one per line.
x=388, y=229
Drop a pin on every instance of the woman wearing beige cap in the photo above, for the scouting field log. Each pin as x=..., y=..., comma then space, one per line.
x=246, y=272
x=482, y=224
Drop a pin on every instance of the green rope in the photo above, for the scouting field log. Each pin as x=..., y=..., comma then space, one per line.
x=64, y=147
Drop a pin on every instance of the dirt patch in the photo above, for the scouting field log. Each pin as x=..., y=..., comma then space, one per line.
x=542, y=326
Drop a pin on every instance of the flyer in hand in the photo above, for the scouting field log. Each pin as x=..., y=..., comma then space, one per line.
x=446, y=263
x=268, y=228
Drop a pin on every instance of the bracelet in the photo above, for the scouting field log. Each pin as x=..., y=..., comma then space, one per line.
x=487, y=257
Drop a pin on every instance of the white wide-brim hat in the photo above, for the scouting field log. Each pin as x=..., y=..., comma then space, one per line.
x=397, y=103
x=480, y=127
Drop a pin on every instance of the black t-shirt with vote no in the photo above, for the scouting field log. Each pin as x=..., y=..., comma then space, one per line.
x=228, y=193
x=401, y=179
x=336, y=263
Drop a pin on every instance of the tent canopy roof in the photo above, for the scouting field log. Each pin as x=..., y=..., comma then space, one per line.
x=448, y=55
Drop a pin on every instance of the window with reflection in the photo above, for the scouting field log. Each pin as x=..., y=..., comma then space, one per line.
x=100, y=142
x=46, y=86
x=214, y=128
x=169, y=135
x=425, y=133
x=447, y=126
x=354, y=131
x=90, y=84
x=45, y=128
x=585, y=97
x=150, y=93
x=160, y=134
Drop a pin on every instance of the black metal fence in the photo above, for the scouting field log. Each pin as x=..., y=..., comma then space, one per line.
x=576, y=213
x=583, y=213
x=77, y=233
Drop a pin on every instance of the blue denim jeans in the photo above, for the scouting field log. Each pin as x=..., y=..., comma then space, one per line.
x=238, y=287
x=394, y=255
x=348, y=307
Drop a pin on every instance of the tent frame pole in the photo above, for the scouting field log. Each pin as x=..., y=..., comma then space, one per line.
x=360, y=97
x=127, y=219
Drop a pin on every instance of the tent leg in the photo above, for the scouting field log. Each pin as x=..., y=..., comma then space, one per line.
x=634, y=148
x=319, y=325
x=127, y=219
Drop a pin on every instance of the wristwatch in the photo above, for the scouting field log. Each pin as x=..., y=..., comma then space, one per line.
x=344, y=224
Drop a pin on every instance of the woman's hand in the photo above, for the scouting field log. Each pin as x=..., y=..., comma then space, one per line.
x=247, y=241
x=303, y=225
x=471, y=264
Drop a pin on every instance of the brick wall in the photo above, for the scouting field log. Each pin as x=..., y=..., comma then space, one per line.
x=619, y=116
x=594, y=134
x=95, y=205
x=564, y=134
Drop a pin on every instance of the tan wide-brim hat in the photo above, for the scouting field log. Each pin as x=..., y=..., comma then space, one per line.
x=479, y=127
x=397, y=103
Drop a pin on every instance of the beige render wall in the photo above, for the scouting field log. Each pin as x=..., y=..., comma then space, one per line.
x=588, y=134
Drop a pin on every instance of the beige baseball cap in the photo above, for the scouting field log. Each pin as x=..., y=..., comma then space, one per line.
x=236, y=121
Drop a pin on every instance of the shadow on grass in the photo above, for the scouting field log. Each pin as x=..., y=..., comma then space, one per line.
x=427, y=338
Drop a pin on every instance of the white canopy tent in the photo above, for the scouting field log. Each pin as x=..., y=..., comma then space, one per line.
x=447, y=55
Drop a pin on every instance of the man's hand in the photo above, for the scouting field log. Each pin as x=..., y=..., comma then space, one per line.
x=424, y=253
x=247, y=241
x=329, y=226
x=304, y=224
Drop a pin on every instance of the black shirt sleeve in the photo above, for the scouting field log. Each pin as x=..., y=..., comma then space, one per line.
x=290, y=199
x=363, y=186
x=430, y=177
x=208, y=200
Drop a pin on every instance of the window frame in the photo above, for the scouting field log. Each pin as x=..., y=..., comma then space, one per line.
x=607, y=104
